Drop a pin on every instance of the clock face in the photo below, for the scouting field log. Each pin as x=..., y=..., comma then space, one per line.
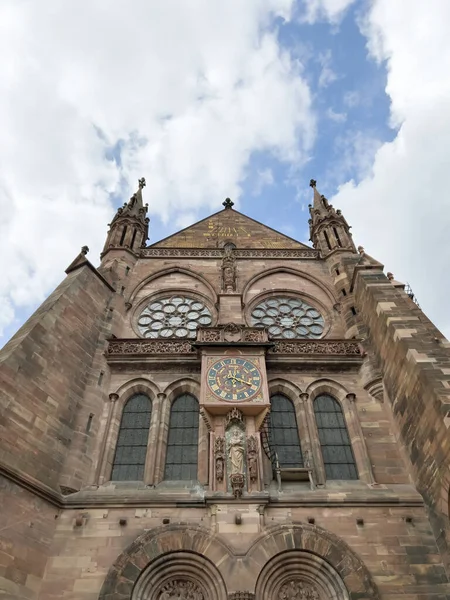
x=234, y=379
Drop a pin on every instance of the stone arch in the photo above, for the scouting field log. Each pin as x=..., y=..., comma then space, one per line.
x=295, y=272
x=327, y=386
x=187, y=385
x=300, y=571
x=278, y=385
x=139, y=385
x=189, y=553
x=168, y=271
x=320, y=551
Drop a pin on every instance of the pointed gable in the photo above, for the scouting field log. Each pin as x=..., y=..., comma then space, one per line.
x=228, y=225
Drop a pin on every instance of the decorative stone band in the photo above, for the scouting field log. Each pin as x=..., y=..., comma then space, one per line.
x=146, y=347
x=293, y=253
x=241, y=596
x=231, y=332
x=133, y=347
x=328, y=347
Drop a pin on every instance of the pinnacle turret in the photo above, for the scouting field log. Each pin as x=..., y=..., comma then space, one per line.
x=328, y=229
x=129, y=227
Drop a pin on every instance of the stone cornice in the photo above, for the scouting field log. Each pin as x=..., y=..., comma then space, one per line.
x=243, y=253
x=111, y=496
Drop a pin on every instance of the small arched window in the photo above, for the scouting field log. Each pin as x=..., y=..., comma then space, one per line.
x=182, y=442
x=131, y=449
x=284, y=432
x=337, y=452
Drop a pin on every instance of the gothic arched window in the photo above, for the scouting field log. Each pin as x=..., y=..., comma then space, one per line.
x=284, y=432
x=131, y=449
x=182, y=442
x=337, y=452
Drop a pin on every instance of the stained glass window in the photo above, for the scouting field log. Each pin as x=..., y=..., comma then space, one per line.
x=336, y=447
x=131, y=449
x=173, y=317
x=182, y=442
x=288, y=317
x=284, y=432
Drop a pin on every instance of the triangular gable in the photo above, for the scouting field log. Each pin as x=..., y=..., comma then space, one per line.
x=228, y=225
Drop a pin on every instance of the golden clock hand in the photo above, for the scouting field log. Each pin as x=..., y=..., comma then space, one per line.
x=243, y=381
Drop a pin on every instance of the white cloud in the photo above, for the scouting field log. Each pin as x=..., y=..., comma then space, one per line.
x=327, y=74
x=330, y=10
x=401, y=211
x=335, y=116
x=263, y=178
x=190, y=89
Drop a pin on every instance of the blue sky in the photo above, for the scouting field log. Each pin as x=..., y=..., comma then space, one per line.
x=208, y=100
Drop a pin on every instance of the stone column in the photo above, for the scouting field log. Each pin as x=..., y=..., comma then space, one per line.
x=316, y=450
x=161, y=438
x=153, y=438
x=358, y=442
x=102, y=463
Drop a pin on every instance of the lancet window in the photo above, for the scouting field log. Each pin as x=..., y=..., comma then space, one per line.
x=131, y=449
x=337, y=453
x=285, y=440
x=182, y=443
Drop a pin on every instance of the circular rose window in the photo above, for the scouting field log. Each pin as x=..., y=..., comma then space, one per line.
x=288, y=317
x=173, y=317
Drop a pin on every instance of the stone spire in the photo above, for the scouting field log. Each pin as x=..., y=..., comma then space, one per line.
x=329, y=231
x=129, y=227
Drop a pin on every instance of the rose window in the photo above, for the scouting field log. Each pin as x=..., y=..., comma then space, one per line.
x=173, y=317
x=287, y=317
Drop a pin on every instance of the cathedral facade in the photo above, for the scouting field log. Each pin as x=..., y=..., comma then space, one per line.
x=226, y=414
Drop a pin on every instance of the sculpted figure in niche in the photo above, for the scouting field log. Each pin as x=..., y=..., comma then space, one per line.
x=236, y=452
x=229, y=270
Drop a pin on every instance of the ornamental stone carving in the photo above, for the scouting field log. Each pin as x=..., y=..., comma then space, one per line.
x=248, y=253
x=339, y=348
x=131, y=347
x=219, y=456
x=241, y=596
x=252, y=457
x=234, y=416
x=296, y=589
x=237, y=481
x=180, y=589
x=231, y=332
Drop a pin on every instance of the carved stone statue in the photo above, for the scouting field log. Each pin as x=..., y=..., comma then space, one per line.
x=252, y=460
x=229, y=271
x=219, y=454
x=236, y=452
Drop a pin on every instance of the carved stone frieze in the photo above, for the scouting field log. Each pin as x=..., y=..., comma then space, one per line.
x=330, y=347
x=252, y=457
x=178, y=589
x=296, y=589
x=130, y=347
x=293, y=253
x=241, y=596
x=219, y=457
x=231, y=332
